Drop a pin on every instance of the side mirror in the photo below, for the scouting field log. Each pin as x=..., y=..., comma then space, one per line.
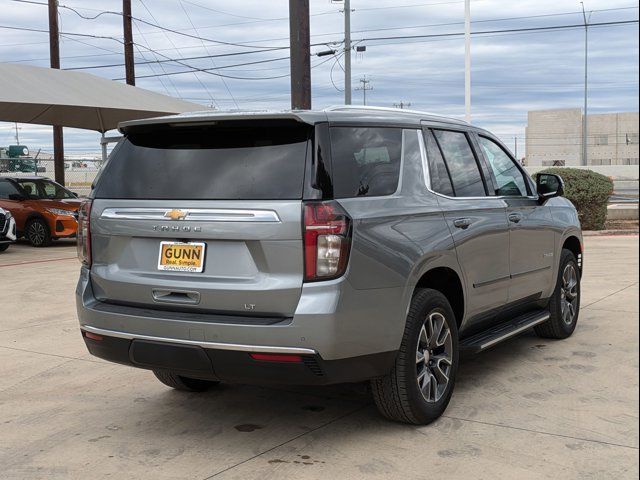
x=16, y=197
x=549, y=185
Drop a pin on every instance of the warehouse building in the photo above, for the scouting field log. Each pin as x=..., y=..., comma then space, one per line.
x=554, y=138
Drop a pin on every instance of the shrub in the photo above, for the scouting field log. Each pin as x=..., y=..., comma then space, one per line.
x=589, y=192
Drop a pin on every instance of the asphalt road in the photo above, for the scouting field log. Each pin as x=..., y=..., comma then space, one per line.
x=530, y=408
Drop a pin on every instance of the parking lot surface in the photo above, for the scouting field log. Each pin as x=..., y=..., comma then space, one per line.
x=529, y=408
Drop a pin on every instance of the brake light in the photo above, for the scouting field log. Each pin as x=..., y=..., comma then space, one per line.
x=327, y=240
x=84, y=233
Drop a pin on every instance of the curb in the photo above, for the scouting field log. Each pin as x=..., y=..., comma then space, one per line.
x=608, y=233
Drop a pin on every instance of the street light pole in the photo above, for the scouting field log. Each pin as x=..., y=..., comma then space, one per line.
x=585, y=119
x=467, y=60
x=347, y=52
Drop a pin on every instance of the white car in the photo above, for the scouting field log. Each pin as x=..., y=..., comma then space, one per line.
x=7, y=229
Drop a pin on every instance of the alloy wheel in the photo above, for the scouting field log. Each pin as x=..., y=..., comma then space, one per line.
x=434, y=357
x=37, y=233
x=569, y=294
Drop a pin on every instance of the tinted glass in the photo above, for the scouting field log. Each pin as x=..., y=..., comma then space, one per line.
x=30, y=188
x=365, y=161
x=54, y=191
x=509, y=178
x=6, y=189
x=465, y=174
x=209, y=162
x=440, y=180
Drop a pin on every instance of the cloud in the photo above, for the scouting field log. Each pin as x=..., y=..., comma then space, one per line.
x=512, y=73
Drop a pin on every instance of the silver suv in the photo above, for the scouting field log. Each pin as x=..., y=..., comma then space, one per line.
x=319, y=247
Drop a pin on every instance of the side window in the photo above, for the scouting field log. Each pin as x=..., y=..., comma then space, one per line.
x=510, y=181
x=462, y=164
x=365, y=161
x=6, y=189
x=438, y=173
x=30, y=188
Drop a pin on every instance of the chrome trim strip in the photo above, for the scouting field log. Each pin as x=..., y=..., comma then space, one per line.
x=491, y=282
x=515, y=332
x=193, y=214
x=528, y=272
x=209, y=345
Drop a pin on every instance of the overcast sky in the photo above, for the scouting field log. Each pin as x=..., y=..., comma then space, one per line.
x=512, y=72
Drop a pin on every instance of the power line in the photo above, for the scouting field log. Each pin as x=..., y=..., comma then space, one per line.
x=509, y=30
x=151, y=24
x=206, y=50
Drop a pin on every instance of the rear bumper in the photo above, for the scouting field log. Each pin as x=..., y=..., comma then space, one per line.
x=348, y=335
x=234, y=366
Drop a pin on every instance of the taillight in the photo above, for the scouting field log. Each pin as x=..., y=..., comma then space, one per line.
x=84, y=233
x=327, y=240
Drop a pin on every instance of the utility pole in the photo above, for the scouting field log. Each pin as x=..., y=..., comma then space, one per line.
x=54, y=55
x=365, y=87
x=347, y=52
x=467, y=60
x=401, y=105
x=516, y=149
x=300, y=46
x=585, y=118
x=129, y=62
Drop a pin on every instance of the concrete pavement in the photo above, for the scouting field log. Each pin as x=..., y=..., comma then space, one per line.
x=530, y=408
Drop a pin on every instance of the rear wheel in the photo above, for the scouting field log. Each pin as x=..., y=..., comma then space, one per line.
x=186, y=384
x=564, y=306
x=37, y=232
x=419, y=387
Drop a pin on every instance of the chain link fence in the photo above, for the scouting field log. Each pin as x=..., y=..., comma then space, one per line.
x=78, y=173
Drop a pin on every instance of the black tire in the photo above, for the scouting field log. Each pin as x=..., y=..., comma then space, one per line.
x=4, y=246
x=398, y=395
x=186, y=384
x=38, y=233
x=558, y=326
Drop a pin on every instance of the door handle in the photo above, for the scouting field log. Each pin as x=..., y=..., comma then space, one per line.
x=462, y=223
x=183, y=297
x=515, y=217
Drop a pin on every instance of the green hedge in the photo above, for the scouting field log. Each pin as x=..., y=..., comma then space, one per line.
x=589, y=192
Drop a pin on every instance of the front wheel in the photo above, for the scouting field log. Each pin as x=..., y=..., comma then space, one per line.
x=564, y=306
x=37, y=232
x=419, y=387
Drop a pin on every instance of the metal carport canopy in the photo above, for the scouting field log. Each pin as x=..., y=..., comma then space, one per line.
x=48, y=96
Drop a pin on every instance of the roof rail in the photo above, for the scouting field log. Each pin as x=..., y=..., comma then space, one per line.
x=335, y=108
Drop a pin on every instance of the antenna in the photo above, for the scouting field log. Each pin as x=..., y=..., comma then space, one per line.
x=365, y=87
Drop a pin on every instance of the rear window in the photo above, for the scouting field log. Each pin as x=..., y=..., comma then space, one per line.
x=254, y=162
x=365, y=161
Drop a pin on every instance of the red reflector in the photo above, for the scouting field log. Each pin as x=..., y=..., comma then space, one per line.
x=93, y=336
x=276, y=357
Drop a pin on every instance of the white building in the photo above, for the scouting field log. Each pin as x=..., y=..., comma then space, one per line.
x=554, y=138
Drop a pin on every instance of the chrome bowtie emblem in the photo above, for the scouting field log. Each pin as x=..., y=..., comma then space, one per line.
x=176, y=214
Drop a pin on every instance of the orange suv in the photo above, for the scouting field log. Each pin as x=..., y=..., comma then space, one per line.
x=43, y=209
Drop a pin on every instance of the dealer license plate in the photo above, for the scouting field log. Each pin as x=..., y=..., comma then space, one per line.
x=181, y=257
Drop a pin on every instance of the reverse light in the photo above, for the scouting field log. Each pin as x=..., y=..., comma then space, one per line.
x=83, y=236
x=327, y=240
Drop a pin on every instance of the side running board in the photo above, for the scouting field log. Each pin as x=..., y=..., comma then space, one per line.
x=488, y=338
